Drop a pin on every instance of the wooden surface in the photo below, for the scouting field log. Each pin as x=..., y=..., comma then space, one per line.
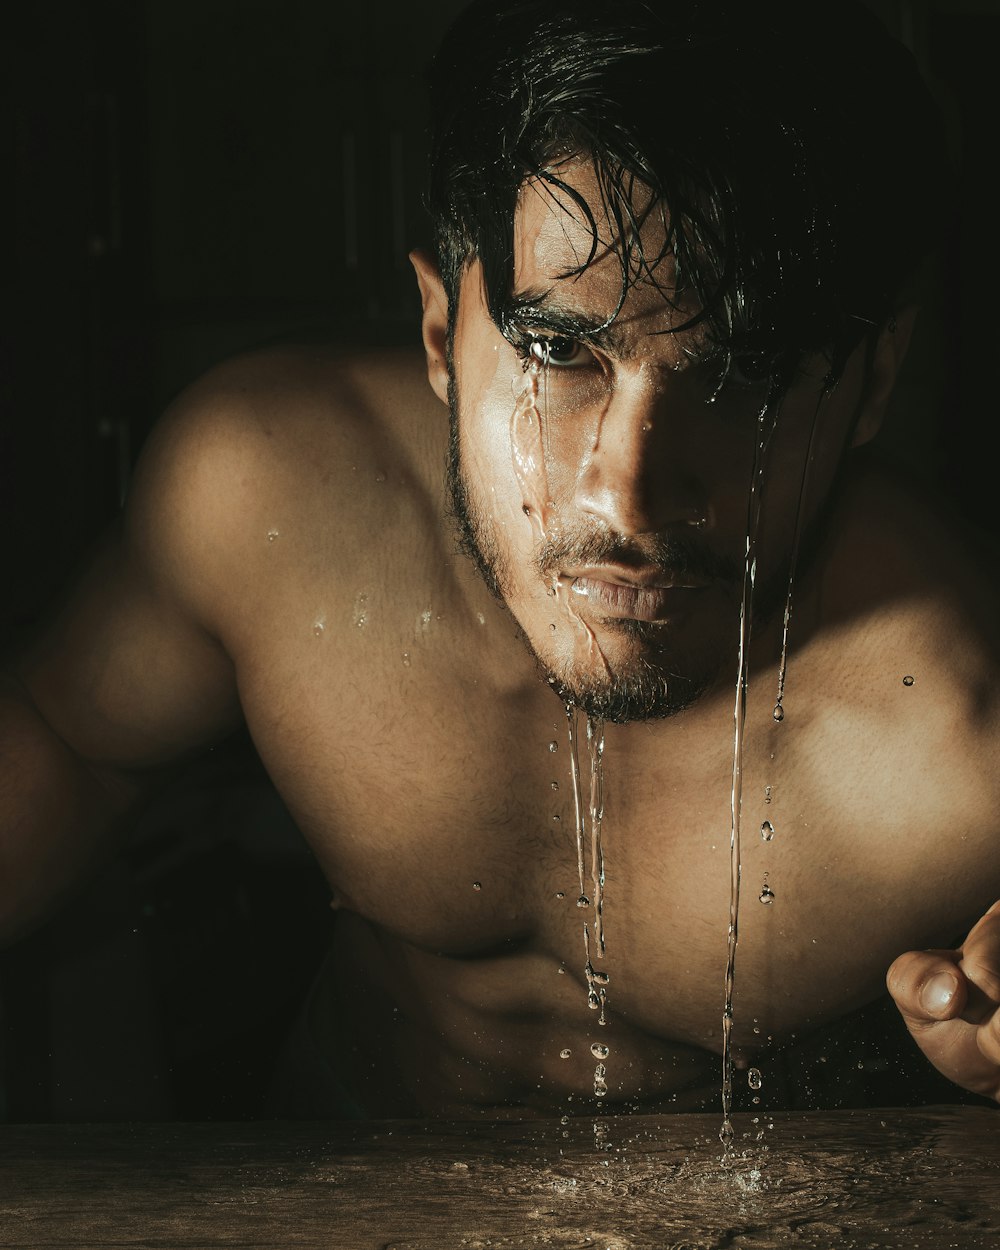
x=924, y=1178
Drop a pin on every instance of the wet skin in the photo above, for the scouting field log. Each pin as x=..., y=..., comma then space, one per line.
x=287, y=559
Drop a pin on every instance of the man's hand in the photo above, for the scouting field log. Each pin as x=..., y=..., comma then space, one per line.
x=950, y=1001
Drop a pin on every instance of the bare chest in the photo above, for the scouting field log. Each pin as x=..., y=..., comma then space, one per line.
x=443, y=809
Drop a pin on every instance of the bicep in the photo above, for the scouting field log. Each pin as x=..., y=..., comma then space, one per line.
x=123, y=676
x=131, y=672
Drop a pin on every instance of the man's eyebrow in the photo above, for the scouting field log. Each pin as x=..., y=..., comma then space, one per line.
x=533, y=310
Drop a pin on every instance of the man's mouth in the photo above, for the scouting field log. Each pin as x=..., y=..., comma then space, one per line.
x=632, y=594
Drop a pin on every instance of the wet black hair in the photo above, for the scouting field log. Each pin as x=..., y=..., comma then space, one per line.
x=794, y=148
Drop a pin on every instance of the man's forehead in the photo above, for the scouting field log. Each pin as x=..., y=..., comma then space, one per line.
x=554, y=234
x=561, y=269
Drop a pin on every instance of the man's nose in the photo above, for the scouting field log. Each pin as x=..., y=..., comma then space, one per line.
x=637, y=477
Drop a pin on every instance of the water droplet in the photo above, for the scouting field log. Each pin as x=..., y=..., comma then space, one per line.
x=907, y=681
x=767, y=794
x=779, y=712
x=560, y=894
x=565, y=1054
x=480, y=618
x=406, y=658
x=319, y=626
x=754, y=1078
x=767, y=831
x=601, y=978
x=425, y=618
x=477, y=885
x=600, y=1084
x=766, y=895
x=272, y=535
x=553, y=746
x=552, y=626
x=554, y=785
x=726, y=1134
x=593, y=1002
x=380, y=477
x=526, y=510
x=583, y=901
x=600, y=1051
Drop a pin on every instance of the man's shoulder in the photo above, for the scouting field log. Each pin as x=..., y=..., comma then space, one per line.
x=285, y=398
x=271, y=447
x=912, y=605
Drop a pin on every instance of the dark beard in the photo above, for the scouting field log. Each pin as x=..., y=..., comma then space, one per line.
x=471, y=530
x=650, y=690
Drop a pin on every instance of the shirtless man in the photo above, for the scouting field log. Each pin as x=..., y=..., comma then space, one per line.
x=709, y=249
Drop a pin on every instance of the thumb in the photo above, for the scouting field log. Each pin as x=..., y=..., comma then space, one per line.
x=928, y=987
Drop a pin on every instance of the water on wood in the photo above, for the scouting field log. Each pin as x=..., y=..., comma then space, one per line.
x=922, y=1179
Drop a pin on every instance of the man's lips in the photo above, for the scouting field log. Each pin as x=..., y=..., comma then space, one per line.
x=635, y=594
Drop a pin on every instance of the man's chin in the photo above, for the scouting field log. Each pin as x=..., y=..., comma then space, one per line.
x=640, y=695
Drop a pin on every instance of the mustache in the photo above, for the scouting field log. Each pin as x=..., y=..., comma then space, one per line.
x=681, y=556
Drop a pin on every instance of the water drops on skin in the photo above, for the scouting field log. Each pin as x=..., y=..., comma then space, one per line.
x=361, y=610
x=583, y=901
x=272, y=535
x=380, y=476
x=553, y=746
x=554, y=785
x=754, y=1078
x=565, y=1054
x=779, y=712
x=319, y=626
x=560, y=894
x=767, y=831
x=406, y=659
x=600, y=1051
x=767, y=794
x=477, y=885
x=907, y=680
x=766, y=895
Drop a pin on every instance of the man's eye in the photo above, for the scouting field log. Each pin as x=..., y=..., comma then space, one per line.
x=749, y=371
x=560, y=352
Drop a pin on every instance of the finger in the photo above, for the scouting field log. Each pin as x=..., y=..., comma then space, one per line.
x=980, y=963
x=927, y=986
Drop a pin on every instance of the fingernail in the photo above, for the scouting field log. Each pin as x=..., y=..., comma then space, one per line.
x=938, y=992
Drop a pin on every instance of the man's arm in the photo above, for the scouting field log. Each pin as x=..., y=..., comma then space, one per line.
x=130, y=676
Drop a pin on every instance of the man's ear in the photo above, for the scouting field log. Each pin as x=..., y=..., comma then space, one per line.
x=888, y=356
x=435, y=321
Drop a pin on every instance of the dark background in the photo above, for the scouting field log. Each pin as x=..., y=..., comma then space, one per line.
x=190, y=178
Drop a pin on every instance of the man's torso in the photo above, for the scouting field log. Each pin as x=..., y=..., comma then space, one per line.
x=427, y=763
